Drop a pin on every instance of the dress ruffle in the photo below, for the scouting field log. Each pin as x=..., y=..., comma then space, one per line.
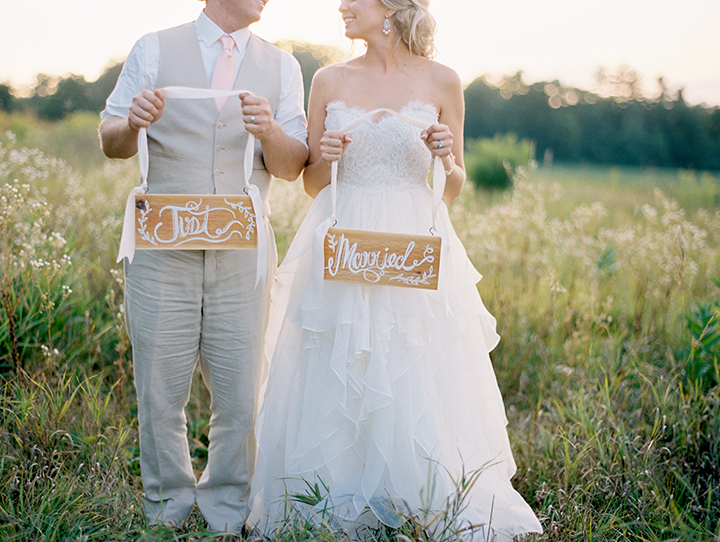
x=383, y=395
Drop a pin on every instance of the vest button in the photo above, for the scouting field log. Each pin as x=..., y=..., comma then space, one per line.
x=219, y=124
x=218, y=148
x=217, y=171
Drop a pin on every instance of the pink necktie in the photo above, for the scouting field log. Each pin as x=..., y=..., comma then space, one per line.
x=224, y=74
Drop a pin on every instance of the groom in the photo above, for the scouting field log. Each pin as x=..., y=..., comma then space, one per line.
x=185, y=307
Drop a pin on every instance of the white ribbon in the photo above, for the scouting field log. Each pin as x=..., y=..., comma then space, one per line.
x=322, y=229
x=127, y=241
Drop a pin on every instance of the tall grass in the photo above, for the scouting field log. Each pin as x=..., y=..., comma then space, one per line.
x=604, y=284
x=609, y=362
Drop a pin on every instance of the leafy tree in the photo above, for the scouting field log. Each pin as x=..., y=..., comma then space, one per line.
x=623, y=126
x=101, y=89
x=71, y=94
x=7, y=100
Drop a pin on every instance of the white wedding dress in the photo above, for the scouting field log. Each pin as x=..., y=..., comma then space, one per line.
x=380, y=394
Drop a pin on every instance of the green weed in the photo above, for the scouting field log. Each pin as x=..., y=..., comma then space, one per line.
x=603, y=282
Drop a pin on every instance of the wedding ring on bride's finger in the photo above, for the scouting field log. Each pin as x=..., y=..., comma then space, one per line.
x=440, y=144
x=252, y=119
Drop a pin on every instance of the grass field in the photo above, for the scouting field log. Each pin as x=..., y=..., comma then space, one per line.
x=604, y=282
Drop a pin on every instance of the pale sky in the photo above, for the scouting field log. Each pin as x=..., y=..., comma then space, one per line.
x=549, y=39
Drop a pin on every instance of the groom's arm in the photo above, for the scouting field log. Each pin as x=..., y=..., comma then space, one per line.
x=283, y=136
x=118, y=135
x=284, y=156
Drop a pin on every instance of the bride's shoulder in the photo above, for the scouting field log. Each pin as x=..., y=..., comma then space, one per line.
x=325, y=82
x=330, y=77
x=444, y=85
x=324, y=74
x=443, y=75
x=334, y=71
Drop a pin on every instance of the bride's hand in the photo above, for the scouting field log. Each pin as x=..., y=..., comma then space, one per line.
x=439, y=139
x=333, y=145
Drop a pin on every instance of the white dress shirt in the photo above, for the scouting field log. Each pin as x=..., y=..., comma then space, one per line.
x=141, y=68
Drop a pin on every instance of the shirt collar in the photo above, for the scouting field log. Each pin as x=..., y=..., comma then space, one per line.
x=209, y=32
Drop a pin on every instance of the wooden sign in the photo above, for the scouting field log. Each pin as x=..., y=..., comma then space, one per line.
x=372, y=257
x=184, y=222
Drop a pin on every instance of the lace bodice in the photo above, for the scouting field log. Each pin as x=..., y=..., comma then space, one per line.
x=386, y=154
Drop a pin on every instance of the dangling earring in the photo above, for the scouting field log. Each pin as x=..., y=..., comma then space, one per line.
x=386, y=25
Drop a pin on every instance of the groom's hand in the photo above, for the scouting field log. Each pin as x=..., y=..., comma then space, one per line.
x=146, y=108
x=257, y=116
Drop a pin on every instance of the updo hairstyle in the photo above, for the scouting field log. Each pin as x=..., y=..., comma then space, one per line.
x=414, y=24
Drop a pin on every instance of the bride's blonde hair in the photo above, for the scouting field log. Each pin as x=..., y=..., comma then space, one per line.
x=414, y=24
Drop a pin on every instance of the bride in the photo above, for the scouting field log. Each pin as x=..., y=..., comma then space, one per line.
x=382, y=397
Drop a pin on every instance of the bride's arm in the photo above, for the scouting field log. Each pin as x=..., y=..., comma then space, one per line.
x=325, y=147
x=451, y=104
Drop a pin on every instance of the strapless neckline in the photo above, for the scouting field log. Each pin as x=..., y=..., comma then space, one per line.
x=386, y=153
x=412, y=105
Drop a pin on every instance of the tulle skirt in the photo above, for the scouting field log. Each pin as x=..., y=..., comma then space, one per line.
x=385, y=397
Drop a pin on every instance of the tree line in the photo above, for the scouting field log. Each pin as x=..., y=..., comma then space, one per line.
x=54, y=98
x=619, y=124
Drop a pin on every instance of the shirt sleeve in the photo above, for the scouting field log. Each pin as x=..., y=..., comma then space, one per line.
x=290, y=112
x=140, y=72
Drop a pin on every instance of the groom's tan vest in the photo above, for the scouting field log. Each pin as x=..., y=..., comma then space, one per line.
x=193, y=148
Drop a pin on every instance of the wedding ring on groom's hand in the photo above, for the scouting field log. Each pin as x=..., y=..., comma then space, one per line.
x=252, y=119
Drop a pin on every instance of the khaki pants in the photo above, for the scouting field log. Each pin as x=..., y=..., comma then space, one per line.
x=185, y=307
